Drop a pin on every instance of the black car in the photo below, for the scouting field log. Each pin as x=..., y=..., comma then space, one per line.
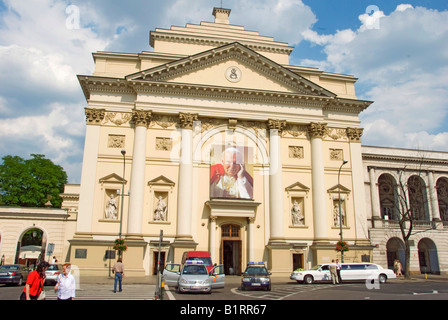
x=14, y=274
x=256, y=276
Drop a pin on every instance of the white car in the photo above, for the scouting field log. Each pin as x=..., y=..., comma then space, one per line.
x=349, y=272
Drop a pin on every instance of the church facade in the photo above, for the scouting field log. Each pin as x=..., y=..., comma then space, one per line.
x=216, y=141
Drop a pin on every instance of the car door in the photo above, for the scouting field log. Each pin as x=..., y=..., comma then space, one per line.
x=171, y=274
x=217, y=277
x=324, y=273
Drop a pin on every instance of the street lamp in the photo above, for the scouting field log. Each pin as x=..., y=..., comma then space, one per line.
x=123, y=152
x=340, y=211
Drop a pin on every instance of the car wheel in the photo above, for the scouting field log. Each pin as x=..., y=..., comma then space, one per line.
x=308, y=279
x=382, y=278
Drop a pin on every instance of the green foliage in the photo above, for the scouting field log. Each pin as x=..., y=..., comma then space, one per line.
x=32, y=182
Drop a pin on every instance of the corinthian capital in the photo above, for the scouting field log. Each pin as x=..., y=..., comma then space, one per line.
x=94, y=116
x=141, y=117
x=354, y=134
x=186, y=120
x=280, y=125
x=317, y=130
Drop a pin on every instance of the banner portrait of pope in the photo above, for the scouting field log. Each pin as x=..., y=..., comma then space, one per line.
x=230, y=175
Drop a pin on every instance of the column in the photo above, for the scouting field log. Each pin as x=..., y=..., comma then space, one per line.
x=275, y=180
x=185, y=192
x=435, y=212
x=374, y=195
x=316, y=132
x=88, y=176
x=250, y=239
x=212, y=245
x=141, y=119
x=359, y=203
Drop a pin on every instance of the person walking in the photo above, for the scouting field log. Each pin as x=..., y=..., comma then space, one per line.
x=35, y=283
x=66, y=286
x=397, y=267
x=338, y=270
x=333, y=272
x=118, y=269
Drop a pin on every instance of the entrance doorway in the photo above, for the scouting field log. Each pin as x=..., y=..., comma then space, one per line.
x=297, y=261
x=156, y=261
x=231, y=249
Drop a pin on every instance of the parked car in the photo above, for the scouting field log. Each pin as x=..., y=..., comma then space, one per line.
x=14, y=274
x=349, y=272
x=194, y=277
x=256, y=276
x=52, y=273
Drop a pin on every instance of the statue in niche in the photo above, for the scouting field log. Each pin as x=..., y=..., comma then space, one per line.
x=111, y=208
x=297, y=216
x=161, y=209
x=337, y=216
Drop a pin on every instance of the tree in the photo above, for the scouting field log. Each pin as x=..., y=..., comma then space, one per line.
x=410, y=206
x=32, y=182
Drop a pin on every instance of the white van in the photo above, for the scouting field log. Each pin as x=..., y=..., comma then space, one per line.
x=349, y=272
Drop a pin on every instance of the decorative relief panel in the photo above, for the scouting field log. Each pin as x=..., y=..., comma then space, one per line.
x=296, y=152
x=336, y=154
x=121, y=119
x=116, y=141
x=164, y=144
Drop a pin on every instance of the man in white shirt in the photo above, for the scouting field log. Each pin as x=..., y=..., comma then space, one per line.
x=66, y=284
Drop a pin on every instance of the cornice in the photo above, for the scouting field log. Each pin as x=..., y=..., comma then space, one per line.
x=403, y=159
x=216, y=42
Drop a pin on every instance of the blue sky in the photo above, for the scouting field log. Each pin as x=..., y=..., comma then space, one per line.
x=397, y=49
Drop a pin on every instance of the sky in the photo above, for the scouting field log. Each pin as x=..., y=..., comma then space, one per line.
x=398, y=50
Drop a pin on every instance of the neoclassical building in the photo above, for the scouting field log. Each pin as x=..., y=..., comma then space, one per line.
x=214, y=140
x=420, y=178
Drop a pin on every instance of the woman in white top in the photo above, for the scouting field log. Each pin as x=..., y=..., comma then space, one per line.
x=66, y=284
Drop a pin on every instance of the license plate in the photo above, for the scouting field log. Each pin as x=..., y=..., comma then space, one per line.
x=3, y=273
x=256, y=284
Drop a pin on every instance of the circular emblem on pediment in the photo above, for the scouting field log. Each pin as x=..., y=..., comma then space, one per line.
x=233, y=74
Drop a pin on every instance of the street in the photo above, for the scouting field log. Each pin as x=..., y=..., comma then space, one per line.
x=282, y=290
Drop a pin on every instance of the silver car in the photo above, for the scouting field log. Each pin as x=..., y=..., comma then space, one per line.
x=52, y=273
x=194, y=277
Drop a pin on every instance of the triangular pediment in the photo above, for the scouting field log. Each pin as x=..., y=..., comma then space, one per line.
x=161, y=181
x=112, y=178
x=338, y=188
x=297, y=187
x=231, y=66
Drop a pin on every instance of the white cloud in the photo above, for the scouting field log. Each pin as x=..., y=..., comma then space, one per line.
x=402, y=64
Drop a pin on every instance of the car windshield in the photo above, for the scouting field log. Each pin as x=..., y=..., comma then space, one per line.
x=9, y=268
x=255, y=270
x=52, y=267
x=316, y=267
x=206, y=260
x=194, y=270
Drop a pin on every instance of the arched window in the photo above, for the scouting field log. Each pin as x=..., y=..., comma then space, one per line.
x=442, y=197
x=417, y=198
x=387, y=192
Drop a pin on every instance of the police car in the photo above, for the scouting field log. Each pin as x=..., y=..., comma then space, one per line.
x=194, y=277
x=256, y=276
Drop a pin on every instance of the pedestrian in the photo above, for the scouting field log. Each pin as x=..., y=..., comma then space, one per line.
x=333, y=272
x=66, y=286
x=34, y=287
x=338, y=270
x=397, y=267
x=118, y=269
